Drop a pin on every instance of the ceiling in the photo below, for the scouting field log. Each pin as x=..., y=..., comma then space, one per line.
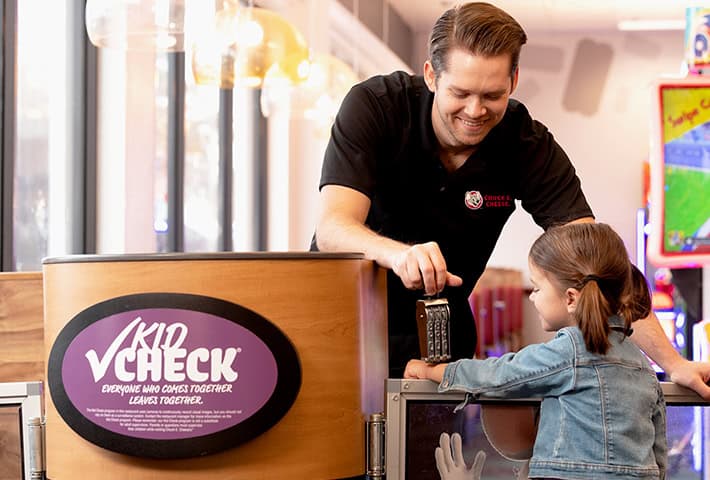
x=555, y=15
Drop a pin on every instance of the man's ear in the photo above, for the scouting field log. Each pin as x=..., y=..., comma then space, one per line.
x=430, y=76
x=514, y=80
x=571, y=297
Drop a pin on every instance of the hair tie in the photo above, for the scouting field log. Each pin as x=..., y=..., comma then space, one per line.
x=589, y=278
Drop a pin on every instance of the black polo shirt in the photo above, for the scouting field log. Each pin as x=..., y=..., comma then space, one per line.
x=383, y=145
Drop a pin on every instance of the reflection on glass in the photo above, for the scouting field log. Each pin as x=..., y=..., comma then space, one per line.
x=160, y=174
x=202, y=228
x=10, y=438
x=427, y=420
x=200, y=213
x=35, y=72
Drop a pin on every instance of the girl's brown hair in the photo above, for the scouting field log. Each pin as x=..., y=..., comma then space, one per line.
x=479, y=28
x=592, y=258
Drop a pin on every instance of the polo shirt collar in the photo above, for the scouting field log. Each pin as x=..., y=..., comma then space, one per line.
x=426, y=128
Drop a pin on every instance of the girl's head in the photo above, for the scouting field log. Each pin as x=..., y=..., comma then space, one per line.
x=582, y=275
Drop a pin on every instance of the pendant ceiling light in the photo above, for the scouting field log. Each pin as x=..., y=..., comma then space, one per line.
x=246, y=45
x=140, y=25
x=318, y=97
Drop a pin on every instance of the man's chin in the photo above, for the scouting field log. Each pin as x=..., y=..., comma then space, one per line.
x=471, y=140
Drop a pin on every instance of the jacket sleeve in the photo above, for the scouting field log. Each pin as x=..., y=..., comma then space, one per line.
x=660, y=445
x=545, y=368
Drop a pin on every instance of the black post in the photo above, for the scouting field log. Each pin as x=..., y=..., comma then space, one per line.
x=176, y=152
x=226, y=163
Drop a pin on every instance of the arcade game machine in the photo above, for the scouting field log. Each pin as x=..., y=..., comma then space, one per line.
x=679, y=233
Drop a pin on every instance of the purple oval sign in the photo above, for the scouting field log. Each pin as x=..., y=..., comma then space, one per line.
x=171, y=375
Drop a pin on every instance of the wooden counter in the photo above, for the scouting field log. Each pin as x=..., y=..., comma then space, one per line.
x=331, y=307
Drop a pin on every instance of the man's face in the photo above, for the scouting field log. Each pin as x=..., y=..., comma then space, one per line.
x=470, y=97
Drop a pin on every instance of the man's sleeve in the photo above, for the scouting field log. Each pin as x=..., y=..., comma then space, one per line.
x=550, y=189
x=356, y=138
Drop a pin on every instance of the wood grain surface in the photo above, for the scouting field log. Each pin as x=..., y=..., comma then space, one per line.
x=21, y=355
x=21, y=327
x=332, y=310
x=10, y=451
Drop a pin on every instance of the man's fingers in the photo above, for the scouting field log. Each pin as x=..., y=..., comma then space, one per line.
x=423, y=266
x=453, y=280
x=414, y=278
x=427, y=268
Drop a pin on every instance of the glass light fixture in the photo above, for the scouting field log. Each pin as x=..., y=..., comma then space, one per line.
x=247, y=44
x=318, y=97
x=141, y=25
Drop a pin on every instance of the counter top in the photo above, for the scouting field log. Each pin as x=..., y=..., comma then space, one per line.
x=173, y=256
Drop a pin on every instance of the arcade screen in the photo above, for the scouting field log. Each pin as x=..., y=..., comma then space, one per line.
x=680, y=171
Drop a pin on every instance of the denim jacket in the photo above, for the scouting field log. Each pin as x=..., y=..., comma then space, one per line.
x=602, y=416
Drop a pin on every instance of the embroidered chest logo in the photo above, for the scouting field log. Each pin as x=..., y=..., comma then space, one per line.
x=474, y=199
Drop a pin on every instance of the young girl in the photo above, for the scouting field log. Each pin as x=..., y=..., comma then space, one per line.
x=602, y=413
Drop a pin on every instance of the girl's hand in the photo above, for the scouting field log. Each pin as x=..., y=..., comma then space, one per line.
x=426, y=371
x=416, y=369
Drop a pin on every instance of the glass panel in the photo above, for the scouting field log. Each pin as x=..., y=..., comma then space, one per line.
x=131, y=158
x=201, y=192
x=160, y=179
x=202, y=228
x=40, y=74
x=11, y=451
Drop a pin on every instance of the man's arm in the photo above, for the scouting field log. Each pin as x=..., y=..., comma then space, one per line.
x=583, y=220
x=341, y=227
x=650, y=337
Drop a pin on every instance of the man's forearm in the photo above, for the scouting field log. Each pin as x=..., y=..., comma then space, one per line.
x=650, y=337
x=344, y=236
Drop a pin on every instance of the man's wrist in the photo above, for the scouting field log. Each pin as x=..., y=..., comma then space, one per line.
x=673, y=365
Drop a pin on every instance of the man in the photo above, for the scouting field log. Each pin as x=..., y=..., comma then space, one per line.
x=421, y=174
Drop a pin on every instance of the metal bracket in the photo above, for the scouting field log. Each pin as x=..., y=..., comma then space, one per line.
x=376, y=446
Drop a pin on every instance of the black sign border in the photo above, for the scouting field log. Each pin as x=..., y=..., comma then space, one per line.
x=288, y=382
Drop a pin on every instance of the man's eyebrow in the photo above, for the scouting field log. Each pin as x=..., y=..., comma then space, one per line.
x=456, y=89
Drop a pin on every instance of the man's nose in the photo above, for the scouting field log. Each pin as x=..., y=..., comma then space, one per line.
x=474, y=107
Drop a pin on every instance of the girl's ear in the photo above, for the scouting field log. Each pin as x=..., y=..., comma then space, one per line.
x=571, y=296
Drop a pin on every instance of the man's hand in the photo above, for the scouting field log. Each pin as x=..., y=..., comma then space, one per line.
x=693, y=375
x=450, y=462
x=423, y=266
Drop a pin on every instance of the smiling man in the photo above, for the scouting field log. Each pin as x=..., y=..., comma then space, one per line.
x=421, y=174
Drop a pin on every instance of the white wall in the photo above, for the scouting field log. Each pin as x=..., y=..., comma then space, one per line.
x=607, y=148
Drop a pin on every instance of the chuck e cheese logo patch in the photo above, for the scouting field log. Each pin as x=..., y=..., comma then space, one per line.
x=475, y=200
x=171, y=375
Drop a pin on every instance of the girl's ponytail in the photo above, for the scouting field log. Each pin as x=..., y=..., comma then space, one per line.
x=636, y=303
x=591, y=307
